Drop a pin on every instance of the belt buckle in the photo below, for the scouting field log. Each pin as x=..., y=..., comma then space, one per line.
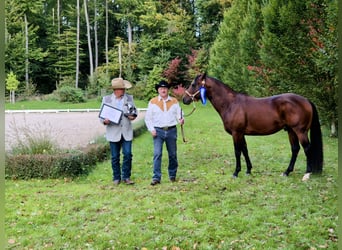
x=166, y=128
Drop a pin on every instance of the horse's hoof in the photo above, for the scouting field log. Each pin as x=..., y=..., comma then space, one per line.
x=306, y=177
x=284, y=174
x=234, y=176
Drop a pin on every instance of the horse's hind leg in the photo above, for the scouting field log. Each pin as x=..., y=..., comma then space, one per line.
x=294, y=149
x=304, y=141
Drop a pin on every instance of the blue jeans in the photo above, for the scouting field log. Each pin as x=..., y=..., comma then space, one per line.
x=170, y=139
x=115, y=148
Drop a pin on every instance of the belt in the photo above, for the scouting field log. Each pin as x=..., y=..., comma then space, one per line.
x=166, y=128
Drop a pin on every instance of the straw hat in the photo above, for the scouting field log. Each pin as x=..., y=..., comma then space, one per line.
x=119, y=83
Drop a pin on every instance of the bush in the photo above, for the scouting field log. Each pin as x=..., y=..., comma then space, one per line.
x=70, y=94
x=67, y=164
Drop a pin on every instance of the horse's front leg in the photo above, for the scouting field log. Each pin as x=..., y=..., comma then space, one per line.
x=239, y=146
x=245, y=154
x=237, y=151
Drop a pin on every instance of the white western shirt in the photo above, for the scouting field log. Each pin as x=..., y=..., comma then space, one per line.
x=162, y=113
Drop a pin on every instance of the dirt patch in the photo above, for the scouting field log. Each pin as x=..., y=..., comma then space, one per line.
x=68, y=129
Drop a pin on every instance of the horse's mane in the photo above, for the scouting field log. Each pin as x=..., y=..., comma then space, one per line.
x=216, y=81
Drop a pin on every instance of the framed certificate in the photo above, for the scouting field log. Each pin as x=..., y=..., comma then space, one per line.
x=110, y=113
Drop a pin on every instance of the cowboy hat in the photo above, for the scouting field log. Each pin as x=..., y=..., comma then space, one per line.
x=119, y=83
x=162, y=83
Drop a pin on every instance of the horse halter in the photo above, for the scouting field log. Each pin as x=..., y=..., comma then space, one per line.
x=192, y=96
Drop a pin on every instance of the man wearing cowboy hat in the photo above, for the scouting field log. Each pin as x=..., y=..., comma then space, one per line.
x=162, y=115
x=120, y=135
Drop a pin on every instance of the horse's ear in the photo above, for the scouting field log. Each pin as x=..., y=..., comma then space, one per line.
x=202, y=77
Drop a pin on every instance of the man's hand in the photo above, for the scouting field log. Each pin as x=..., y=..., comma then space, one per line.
x=106, y=121
x=154, y=133
x=131, y=117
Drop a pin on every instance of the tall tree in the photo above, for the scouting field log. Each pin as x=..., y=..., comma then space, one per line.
x=95, y=35
x=23, y=17
x=226, y=61
x=323, y=33
x=77, y=43
x=209, y=17
x=90, y=52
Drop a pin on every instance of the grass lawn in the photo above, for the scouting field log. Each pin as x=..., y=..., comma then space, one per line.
x=37, y=104
x=205, y=209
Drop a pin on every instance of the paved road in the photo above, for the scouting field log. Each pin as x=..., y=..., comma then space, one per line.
x=68, y=129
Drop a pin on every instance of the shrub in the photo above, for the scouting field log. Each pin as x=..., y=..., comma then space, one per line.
x=38, y=138
x=70, y=94
x=59, y=165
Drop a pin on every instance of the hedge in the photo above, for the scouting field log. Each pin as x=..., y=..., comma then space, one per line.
x=59, y=165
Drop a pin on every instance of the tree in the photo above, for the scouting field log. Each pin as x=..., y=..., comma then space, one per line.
x=22, y=24
x=325, y=54
x=91, y=59
x=209, y=18
x=12, y=85
x=226, y=60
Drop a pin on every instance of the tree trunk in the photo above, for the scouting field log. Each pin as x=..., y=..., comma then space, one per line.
x=333, y=130
x=120, y=58
x=77, y=43
x=26, y=54
x=129, y=31
x=89, y=40
x=106, y=42
x=58, y=36
x=12, y=96
x=95, y=35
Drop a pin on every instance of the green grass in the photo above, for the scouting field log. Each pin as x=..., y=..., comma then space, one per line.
x=205, y=209
x=38, y=104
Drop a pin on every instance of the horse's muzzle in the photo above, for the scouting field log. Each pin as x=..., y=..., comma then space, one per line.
x=187, y=100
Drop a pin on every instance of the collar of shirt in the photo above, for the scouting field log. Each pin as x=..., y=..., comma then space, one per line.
x=118, y=102
x=161, y=99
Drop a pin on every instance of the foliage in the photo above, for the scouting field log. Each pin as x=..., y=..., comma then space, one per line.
x=173, y=74
x=57, y=165
x=12, y=85
x=259, y=47
x=211, y=15
x=267, y=48
x=204, y=209
x=197, y=63
x=226, y=62
x=47, y=103
x=70, y=94
x=11, y=81
x=31, y=139
x=326, y=59
x=153, y=78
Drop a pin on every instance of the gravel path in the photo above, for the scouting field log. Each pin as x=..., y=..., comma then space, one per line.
x=69, y=129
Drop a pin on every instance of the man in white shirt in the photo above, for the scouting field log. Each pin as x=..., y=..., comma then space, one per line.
x=162, y=115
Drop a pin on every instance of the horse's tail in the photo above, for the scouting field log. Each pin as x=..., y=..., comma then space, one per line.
x=315, y=155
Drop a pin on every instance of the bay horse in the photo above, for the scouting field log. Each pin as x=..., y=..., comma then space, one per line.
x=246, y=115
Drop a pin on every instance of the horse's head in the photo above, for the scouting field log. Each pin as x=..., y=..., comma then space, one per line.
x=193, y=92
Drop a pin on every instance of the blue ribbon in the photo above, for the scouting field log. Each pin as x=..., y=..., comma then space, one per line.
x=203, y=95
